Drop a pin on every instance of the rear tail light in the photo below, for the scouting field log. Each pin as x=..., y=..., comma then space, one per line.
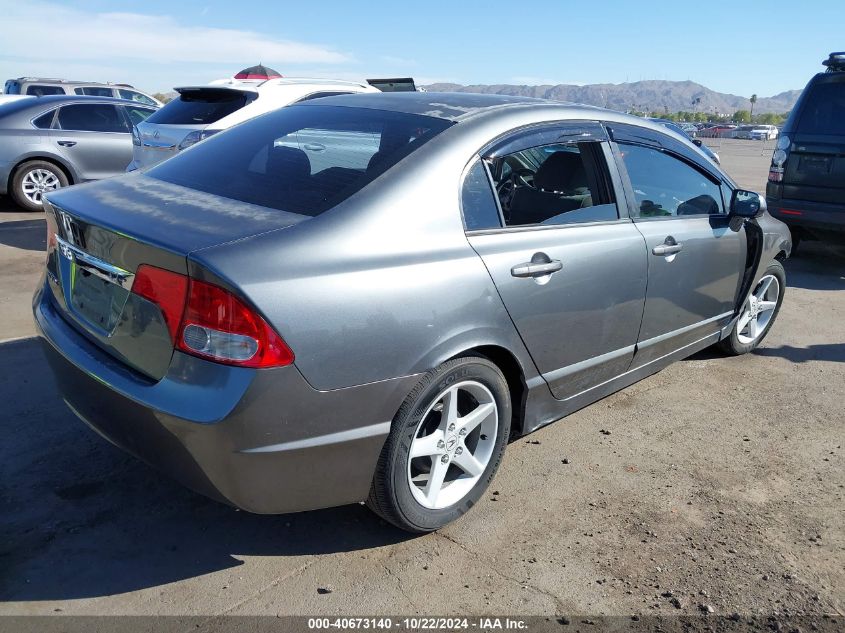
x=776, y=174
x=210, y=322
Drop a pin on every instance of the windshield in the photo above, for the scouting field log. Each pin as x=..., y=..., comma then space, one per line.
x=201, y=107
x=823, y=110
x=302, y=159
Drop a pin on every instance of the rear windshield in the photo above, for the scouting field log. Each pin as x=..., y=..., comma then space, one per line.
x=201, y=107
x=823, y=110
x=301, y=159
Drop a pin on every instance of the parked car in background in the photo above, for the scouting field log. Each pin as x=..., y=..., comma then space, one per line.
x=201, y=111
x=52, y=142
x=689, y=129
x=42, y=87
x=697, y=142
x=763, y=133
x=743, y=131
x=459, y=269
x=806, y=187
x=720, y=130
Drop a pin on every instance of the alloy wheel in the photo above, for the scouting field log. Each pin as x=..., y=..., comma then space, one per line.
x=37, y=182
x=758, y=310
x=452, y=445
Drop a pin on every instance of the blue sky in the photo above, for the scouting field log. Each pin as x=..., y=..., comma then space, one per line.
x=741, y=48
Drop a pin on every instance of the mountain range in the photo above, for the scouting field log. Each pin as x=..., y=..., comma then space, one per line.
x=649, y=95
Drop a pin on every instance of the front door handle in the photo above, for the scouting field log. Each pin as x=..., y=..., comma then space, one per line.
x=669, y=247
x=536, y=269
x=66, y=143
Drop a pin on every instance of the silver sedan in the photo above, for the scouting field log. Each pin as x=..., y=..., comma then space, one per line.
x=364, y=298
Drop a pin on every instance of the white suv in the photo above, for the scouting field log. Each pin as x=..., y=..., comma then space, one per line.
x=201, y=111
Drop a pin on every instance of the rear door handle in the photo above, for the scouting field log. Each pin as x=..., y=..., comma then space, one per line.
x=67, y=143
x=669, y=247
x=536, y=269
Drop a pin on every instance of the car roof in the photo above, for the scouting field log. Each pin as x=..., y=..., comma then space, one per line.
x=43, y=103
x=260, y=85
x=451, y=106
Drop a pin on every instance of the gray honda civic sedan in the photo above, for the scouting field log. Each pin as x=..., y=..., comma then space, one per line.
x=363, y=298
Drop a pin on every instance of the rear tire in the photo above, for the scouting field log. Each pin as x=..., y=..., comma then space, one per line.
x=32, y=180
x=758, y=312
x=445, y=445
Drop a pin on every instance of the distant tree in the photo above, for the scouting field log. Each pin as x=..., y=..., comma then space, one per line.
x=742, y=116
x=753, y=100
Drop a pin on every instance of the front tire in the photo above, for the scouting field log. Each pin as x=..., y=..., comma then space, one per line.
x=32, y=180
x=758, y=312
x=444, y=447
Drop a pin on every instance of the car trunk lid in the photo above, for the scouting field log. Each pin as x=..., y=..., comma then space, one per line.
x=100, y=234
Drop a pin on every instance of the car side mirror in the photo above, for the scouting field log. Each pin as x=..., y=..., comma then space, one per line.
x=697, y=142
x=747, y=204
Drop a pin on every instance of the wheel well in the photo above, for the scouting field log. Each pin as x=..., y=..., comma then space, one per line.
x=46, y=159
x=781, y=256
x=512, y=371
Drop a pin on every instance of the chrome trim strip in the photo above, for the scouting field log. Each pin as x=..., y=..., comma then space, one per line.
x=95, y=265
x=562, y=372
x=683, y=330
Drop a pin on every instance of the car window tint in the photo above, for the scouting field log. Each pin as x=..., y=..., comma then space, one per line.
x=133, y=95
x=302, y=159
x=201, y=107
x=666, y=186
x=91, y=117
x=45, y=120
x=551, y=184
x=138, y=115
x=40, y=91
x=477, y=200
x=823, y=110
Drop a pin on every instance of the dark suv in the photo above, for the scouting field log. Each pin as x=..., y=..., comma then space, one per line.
x=806, y=187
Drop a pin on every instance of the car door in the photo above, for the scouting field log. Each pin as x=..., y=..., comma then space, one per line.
x=540, y=210
x=94, y=137
x=695, y=260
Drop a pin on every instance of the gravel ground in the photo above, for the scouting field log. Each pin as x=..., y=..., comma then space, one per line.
x=720, y=486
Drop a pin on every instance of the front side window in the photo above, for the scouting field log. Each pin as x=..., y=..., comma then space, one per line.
x=301, y=159
x=665, y=186
x=133, y=95
x=553, y=184
x=91, y=117
x=41, y=91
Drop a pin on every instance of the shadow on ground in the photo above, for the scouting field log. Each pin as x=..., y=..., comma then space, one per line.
x=817, y=266
x=29, y=235
x=79, y=518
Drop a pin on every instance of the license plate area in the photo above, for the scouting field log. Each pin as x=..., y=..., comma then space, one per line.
x=97, y=301
x=95, y=291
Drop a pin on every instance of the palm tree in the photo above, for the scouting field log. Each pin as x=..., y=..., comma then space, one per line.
x=753, y=100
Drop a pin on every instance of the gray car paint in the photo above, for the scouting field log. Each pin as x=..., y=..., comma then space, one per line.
x=93, y=155
x=372, y=294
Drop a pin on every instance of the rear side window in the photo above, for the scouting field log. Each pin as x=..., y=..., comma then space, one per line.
x=40, y=91
x=91, y=117
x=137, y=114
x=477, y=201
x=201, y=107
x=45, y=120
x=553, y=184
x=94, y=91
x=823, y=110
x=665, y=186
x=300, y=159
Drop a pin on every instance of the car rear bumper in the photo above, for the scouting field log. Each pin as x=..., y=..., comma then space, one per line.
x=261, y=440
x=813, y=216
